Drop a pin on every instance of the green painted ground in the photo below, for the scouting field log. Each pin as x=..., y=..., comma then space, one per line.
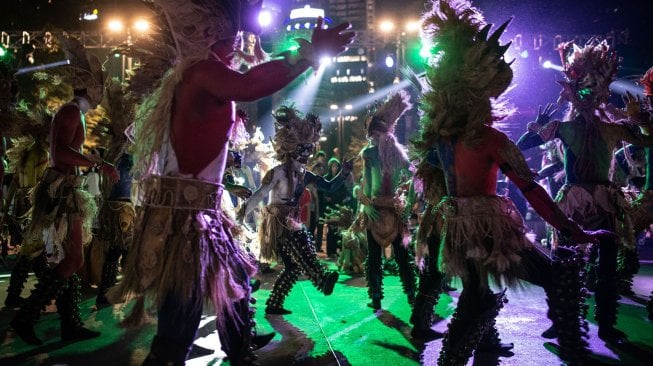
x=355, y=334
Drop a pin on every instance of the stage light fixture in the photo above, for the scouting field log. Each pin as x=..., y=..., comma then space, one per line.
x=389, y=61
x=264, y=18
x=115, y=25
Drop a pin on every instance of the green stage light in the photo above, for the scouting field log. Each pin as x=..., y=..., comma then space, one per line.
x=3, y=52
x=425, y=52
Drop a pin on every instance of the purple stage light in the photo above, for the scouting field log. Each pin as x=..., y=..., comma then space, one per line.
x=264, y=18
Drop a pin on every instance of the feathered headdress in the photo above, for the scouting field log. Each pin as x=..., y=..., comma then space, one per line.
x=588, y=73
x=85, y=68
x=292, y=129
x=198, y=24
x=385, y=117
x=466, y=72
x=120, y=112
x=17, y=118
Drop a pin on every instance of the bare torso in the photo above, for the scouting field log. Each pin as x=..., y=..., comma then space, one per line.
x=200, y=128
x=67, y=135
x=471, y=170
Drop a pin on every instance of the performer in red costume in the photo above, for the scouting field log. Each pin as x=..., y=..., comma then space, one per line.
x=183, y=253
x=589, y=136
x=62, y=212
x=482, y=234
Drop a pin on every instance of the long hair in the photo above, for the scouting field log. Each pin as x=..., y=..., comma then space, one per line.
x=392, y=154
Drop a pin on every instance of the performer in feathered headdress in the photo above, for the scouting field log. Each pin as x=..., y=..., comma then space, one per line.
x=62, y=211
x=117, y=214
x=26, y=122
x=482, y=234
x=385, y=168
x=589, y=136
x=183, y=254
x=281, y=232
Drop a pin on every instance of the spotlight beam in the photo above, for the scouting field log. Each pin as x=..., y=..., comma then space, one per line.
x=621, y=86
x=303, y=96
x=360, y=103
x=25, y=70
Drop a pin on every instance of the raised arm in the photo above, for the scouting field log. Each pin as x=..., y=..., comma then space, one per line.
x=260, y=81
x=267, y=78
x=513, y=165
x=267, y=183
x=539, y=131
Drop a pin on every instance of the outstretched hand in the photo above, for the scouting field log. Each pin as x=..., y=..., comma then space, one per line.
x=543, y=117
x=633, y=105
x=331, y=41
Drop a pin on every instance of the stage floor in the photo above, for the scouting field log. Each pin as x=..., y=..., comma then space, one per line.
x=341, y=325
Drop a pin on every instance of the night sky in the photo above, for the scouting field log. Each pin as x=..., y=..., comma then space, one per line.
x=534, y=16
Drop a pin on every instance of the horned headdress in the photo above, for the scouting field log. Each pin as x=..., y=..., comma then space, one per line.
x=385, y=117
x=588, y=73
x=292, y=129
x=85, y=70
x=466, y=72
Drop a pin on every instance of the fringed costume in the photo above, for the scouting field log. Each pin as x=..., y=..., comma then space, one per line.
x=30, y=158
x=183, y=255
x=385, y=170
x=62, y=213
x=427, y=250
x=116, y=228
x=27, y=127
x=57, y=200
x=353, y=241
x=481, y=235
x=116, y=219
x=281, y=232
x=388, y=230
x=590, y=134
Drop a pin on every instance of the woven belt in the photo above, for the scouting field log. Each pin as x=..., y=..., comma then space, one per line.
x=181, y=193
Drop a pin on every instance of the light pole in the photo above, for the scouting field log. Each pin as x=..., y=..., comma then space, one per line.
x=116, y=26
x=387, y=27
x=341, y=125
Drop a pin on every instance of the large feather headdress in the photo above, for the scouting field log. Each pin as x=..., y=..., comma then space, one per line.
x=197, y=24
x=466, y=72
x=85, y=68
x=292, y=129
x=385, y=117
x=588, y=73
